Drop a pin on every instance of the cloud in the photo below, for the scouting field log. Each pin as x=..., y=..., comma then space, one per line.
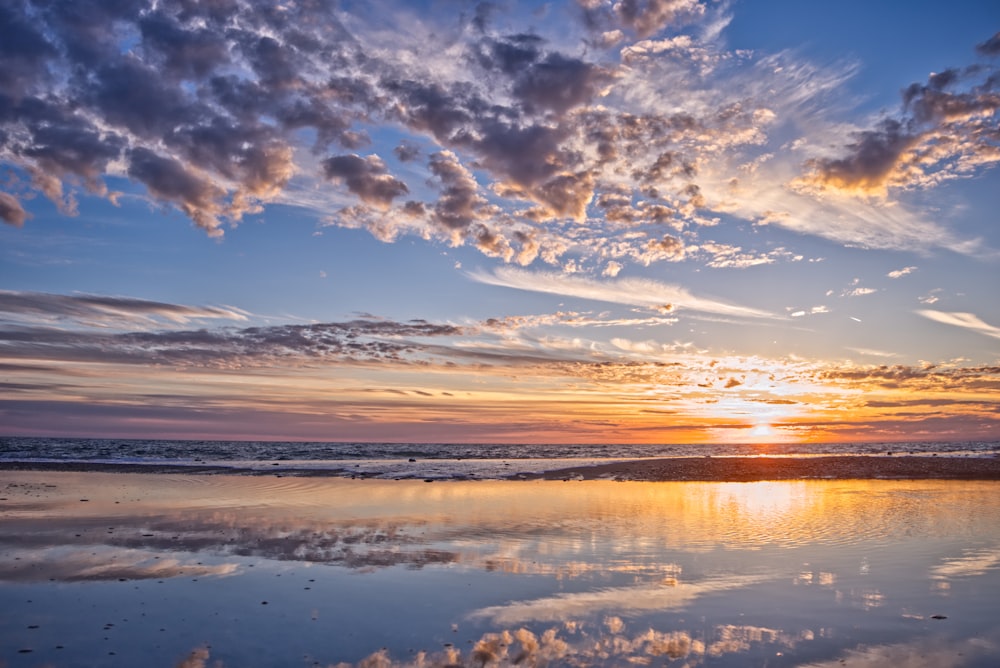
x=640, y=17
x=942, y=132
x=670, y=247
x=872, y=352
x=629, y=291
x=365, y=177
x=104, y=311
x=220, y=108
x=169, y=179
x=460, y=203
x=248, y=347
x=964, y=320
x=871, y=160
x=11, y=211
x=990, y=47
x=899, y=273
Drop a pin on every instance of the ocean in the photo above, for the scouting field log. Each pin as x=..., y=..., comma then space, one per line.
x=427, y=460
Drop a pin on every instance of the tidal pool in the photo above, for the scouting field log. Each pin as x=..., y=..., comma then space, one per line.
x=165, y=570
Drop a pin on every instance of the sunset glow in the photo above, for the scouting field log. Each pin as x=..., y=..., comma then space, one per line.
x=673, y=221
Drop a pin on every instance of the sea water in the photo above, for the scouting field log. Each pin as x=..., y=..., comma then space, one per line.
x=427, y=460
x=100, y=569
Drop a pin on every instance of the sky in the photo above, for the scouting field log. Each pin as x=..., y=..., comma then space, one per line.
x=657, y=221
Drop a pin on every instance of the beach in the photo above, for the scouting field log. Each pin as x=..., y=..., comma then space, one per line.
x=199, y=568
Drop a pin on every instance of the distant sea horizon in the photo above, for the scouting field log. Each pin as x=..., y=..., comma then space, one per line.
x=429, y=460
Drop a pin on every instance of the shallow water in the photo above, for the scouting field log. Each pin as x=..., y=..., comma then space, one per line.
x=439, y=461
x=159, y=569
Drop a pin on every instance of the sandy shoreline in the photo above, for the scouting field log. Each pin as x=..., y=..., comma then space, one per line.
x=717, y=469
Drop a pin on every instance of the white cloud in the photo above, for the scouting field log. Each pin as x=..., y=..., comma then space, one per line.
x=899, y=273
x=871, y=352
x=965, y=320
x=627, y=291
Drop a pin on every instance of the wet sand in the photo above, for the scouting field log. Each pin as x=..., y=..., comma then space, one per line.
x=706, y=469
x=749, y=469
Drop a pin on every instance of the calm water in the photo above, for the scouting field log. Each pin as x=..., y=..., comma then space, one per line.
x=264, y=571
x=430, y=460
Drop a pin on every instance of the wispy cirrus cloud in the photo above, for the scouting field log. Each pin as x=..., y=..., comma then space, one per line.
x=964, y=320
x=654, y=295
x=106, y=311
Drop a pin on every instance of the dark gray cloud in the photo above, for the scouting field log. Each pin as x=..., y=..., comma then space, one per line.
x=170, y=180
x=643, y=18
x=88, y=30
x=24, y=52
x=11, y=211
x=558, y=83
x=460, y=201
x=946, y=126
x=933, y=104
x=213, y=143
x=990, y=47
x=67, y=145
x=133, y=95
x=870, y=159
x=407, y=151
x=181, y=52
x=367, y=177
x=512, y=54
x=208, y=102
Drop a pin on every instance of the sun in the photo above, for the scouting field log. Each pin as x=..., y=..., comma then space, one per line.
x=762, y=431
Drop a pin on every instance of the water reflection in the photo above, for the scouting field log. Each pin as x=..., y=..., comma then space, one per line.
x=622, y=600
x=101, y=563
x=510, y=573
